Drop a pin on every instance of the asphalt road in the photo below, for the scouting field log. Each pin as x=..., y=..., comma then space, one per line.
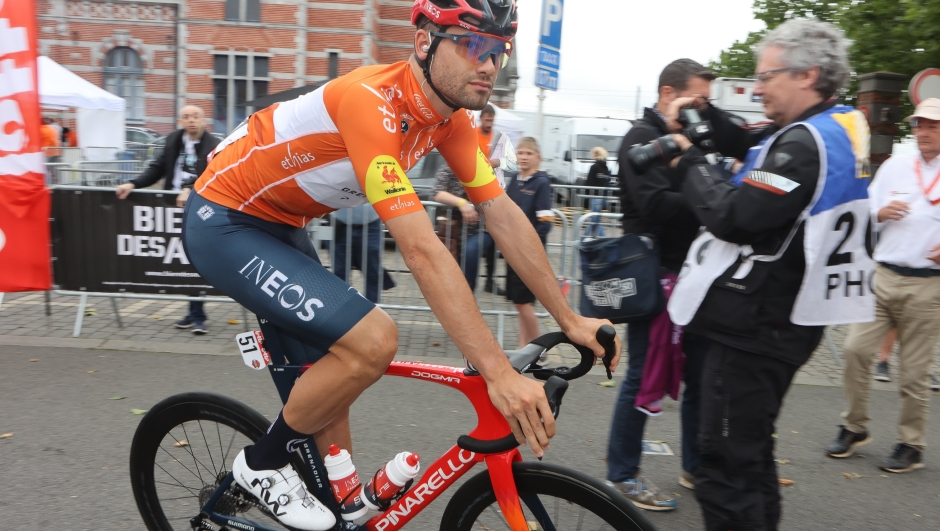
x=65, y=466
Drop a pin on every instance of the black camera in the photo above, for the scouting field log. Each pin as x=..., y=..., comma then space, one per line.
x=664, y=149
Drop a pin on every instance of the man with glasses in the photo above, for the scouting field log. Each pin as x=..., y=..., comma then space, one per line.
x=905, y=203
x=345, y=144
x=784, y=255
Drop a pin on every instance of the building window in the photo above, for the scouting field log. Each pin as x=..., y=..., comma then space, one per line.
x=238, y=79
x=333, y=65
x=243, y=10
x=124, y=77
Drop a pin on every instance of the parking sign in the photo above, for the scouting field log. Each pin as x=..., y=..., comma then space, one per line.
x=550, y=29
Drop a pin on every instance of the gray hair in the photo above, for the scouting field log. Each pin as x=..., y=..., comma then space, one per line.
x=809, y=43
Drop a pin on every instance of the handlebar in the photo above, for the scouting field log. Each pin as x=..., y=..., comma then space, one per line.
x=555, y=385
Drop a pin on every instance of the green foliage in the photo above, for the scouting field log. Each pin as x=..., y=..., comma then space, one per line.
x=901, y=36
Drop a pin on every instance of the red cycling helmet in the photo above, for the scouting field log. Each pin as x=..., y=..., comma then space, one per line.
x=493, y=17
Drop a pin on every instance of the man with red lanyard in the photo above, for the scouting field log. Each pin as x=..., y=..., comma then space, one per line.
x=905, y=203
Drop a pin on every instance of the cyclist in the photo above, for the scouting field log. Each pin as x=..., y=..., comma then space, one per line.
x=342, y=145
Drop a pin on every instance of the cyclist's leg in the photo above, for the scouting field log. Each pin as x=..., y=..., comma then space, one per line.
x=273, y=271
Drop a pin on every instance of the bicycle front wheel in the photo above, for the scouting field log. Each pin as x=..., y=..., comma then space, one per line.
x=553, y=498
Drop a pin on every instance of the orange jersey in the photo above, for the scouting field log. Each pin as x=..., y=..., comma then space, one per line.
x=485, y=140
x=346, y=143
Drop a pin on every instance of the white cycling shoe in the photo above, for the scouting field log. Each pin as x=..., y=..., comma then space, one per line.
x=284, y=494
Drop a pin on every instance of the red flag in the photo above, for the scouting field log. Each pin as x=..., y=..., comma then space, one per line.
x=24, y=200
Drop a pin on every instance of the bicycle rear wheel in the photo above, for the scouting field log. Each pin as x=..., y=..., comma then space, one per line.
x=553, y=499
x=182, y=450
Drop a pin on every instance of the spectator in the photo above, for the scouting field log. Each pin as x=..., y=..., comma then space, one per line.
x=55, y=125
x=449, y=191
x=69, y=138
x=531, y=189
x=353, y=219
x=653, y=205
x=905, y=201
x=488, y=136
x=183, y=160
x=752, y=283
x=598, y=175
x=49, y=140
x=883, y=367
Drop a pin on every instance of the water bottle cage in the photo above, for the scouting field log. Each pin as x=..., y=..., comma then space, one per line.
x=384, y=506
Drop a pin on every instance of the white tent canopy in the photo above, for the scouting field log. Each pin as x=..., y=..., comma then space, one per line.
x=100, y=114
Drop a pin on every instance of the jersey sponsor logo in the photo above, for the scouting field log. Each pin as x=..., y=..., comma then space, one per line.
x=350, y=191
x=407, y=116
x=425, y=111
x=404, y=127
x=296, y=160
x=277, y=285
x=385, y=179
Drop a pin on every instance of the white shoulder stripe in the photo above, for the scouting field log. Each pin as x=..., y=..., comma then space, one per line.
x=302, y=116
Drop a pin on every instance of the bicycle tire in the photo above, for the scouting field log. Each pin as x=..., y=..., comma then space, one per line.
x=157, y=423
x=545, y=479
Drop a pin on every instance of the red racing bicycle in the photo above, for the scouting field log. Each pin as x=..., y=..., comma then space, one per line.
x=183, y=449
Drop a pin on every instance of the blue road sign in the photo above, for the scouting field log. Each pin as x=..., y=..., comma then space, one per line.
x=546, y=79
x=549, y=58
x=550, y=30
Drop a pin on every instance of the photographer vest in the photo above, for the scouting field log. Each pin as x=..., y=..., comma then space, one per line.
x=837, y=282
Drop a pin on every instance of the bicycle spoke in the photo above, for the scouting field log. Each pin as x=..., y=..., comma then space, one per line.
x=195, y=462
x=227, y=450
x=180, y=486
x=218, y=432
x=215, y=471
x=188, y=449
x=197, y=476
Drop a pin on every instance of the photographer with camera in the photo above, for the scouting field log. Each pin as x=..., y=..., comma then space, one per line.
x=653, y=206
x=785, y=255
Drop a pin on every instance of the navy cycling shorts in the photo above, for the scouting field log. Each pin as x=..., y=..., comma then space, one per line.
x=273, y=270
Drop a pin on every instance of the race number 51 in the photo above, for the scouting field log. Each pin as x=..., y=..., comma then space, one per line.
x=253, y=354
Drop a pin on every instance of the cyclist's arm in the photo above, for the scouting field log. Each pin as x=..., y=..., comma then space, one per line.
x=515, y=236
x=369, y=136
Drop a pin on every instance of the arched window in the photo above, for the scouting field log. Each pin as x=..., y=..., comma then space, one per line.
x=123, y=76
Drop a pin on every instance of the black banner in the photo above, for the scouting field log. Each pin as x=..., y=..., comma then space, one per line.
x=101, y=243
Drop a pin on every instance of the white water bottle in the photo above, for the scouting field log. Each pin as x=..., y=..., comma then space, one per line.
x=345, y=483
x=386, y=483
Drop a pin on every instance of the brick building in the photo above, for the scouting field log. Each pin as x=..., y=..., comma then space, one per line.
x=221, y=54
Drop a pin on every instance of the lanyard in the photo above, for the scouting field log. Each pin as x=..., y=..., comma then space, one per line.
x=926, y=189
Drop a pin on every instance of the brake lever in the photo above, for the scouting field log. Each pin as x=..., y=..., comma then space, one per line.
x=605, y=336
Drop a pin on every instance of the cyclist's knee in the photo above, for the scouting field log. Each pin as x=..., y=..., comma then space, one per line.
x=374, y=346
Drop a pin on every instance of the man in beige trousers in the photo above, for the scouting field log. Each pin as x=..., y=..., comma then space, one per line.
x=905, y=201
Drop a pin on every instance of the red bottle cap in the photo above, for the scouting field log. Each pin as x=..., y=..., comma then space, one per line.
x=412, y=459
x=334, y=450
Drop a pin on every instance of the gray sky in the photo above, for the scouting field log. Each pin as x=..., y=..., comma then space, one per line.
x=609, y=47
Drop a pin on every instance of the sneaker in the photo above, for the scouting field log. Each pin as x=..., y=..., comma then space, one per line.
x=905, y=458
x=881, y=372
x=845, y=444
x=283, y=493
x=934, y=383
x=653, y=409
x=199, y=329
x=184, y=323
x=687, y=480
x=644, y=494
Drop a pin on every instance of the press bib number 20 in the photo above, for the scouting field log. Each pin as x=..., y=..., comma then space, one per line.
x=253, y=353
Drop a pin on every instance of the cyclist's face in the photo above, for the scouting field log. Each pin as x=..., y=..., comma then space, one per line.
x=465, y=84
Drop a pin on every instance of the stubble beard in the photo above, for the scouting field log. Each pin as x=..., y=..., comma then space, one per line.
x=457, y=89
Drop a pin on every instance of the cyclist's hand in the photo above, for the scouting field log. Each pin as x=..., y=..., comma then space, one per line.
x=522, y=401
x=584, y=332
